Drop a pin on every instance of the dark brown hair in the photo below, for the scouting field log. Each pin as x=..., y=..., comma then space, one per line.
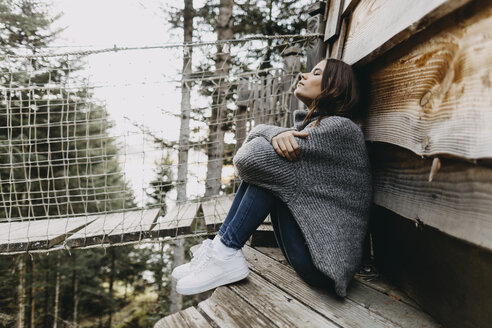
x=339, y=92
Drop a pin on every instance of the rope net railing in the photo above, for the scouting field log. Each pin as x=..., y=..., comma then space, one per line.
x=88, y=159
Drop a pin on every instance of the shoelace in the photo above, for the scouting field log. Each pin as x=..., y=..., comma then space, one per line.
x=202, y=261
x=198, y=254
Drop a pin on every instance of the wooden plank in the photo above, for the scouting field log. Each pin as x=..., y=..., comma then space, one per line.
x=337, y=46
x=177, y=222
x=39, y=234
x=435, y=98
x=315, y=48
x=333, y=21
x=96, y=232
x=227, y=309
x=448, y=277
x=215, y=211
x=348, y=6
x=344, y=312
x=386, y=288
x=402, y=312
x=135, y=225
x=458, y=200
x=378, y=25
x=194, y=319
x=280, y=307
x=174, y=320
x=393, y=310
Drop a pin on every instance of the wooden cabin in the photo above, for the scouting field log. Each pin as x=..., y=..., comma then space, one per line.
x=426, y=67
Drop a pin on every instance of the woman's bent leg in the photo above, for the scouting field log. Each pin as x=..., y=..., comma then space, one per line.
x=254, y=207
x=235, y=204
x=294, y=246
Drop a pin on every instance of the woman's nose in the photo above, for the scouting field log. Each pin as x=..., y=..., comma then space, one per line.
x=303, y=76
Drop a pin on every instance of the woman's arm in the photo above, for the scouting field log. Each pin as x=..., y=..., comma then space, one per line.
x=256, y=162
x=266, y=131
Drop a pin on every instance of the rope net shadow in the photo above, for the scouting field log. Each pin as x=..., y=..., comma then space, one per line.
x=91, y=161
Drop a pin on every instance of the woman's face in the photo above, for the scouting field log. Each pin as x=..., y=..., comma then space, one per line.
x=309, y=87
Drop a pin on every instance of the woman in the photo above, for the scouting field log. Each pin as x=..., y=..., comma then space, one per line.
x=315, y=181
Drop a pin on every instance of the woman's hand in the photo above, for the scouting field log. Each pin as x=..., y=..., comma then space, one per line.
x=286, y=145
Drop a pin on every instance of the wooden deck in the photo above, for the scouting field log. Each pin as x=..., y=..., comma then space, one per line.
x=273, y=295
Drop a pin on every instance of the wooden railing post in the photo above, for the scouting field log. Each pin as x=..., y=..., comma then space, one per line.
x=316, y=48
x=292, y=67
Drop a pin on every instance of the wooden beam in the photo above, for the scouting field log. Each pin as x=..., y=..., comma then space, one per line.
x=434, y=98
x=333, y=20
x=316, y=48
x=378, y=25
x=336, y=50
x=458, y=200
x=349, y=6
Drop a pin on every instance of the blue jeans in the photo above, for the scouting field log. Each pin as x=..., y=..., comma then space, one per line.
x=250, y=207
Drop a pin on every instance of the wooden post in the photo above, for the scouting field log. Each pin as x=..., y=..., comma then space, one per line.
x=316, y=48
x=242, y=107
x=292, y=67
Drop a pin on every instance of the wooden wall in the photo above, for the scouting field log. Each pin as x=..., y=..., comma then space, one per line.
x=426, y=67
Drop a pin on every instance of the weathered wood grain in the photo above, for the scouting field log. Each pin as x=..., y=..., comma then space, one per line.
x=348, y=6
x=458, y=200
x=174, y=320
x=280, y=307
x=194, y=319
x=378, y=25
x=135, y=225
x=436, y=99
x=337, y=46
x=39, y=234
x=99, y=230
x=400, y=314
x=215, y=211
x=227, y=309
x=177, y=222
x=344, y=312
x=333, y=20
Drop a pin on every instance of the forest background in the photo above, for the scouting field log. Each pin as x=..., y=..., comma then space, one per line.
x=123, y=286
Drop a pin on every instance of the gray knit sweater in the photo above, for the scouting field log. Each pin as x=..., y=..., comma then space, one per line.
x=328, y=189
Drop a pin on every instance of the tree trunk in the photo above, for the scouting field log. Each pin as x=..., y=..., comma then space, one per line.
x=111, y=282
x=75, y=293
x=57, y=292
x=215, y=148
x=184, y=139
x=46, y=288
x=21, y=292
x=32, y=293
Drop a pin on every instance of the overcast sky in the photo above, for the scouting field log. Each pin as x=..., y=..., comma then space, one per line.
x=136, y=86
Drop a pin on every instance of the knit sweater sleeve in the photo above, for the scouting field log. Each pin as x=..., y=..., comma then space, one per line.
x=257, y=163
x=266, y=131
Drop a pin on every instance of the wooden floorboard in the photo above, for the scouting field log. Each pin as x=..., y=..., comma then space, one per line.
x=280, y=307
x=194, y=319
x=378, y=296
x=227, y=310
x=273, y=295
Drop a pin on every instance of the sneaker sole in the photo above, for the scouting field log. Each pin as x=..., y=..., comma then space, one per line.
x=232, y=277
x=185, y=274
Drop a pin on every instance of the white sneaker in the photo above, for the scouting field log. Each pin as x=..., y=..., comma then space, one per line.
x=185, y=269
x=212, y=271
